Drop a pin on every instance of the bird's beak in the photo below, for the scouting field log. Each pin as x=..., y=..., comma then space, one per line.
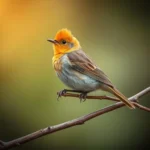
x=53, y=41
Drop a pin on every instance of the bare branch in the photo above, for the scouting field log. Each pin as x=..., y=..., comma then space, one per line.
x=92, y=97
x=78, y=121
x=135, y=97
x=141, y=106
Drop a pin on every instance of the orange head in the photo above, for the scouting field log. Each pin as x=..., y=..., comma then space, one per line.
x=64, y=42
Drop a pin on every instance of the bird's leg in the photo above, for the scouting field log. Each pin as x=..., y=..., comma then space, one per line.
x=61, y=93
x=83, y=96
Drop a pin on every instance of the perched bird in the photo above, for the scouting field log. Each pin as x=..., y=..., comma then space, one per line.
x=77, y=71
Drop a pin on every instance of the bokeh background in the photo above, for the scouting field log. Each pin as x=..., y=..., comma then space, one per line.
x=114, y=33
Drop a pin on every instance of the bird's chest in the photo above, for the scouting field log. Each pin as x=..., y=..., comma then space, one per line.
x=73, y=78
x=63, y=67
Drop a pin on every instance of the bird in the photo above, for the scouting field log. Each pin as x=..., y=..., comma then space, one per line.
x=76, y=70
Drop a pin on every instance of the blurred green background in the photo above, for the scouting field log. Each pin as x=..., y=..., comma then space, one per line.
x=115, y=34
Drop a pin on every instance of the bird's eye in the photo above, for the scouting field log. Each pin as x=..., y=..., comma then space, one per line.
x=64, y=42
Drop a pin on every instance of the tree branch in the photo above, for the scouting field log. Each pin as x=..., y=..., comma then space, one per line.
x=74, y=122
x=92, y=97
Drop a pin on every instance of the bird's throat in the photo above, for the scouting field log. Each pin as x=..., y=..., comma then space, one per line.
x=56, y=57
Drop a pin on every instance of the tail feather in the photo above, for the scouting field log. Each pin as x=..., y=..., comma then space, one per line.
x=118, y=94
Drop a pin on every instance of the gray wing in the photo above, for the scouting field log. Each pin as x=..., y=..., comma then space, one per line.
x=80, y=62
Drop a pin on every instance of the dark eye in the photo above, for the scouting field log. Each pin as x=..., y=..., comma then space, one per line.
x=64, y=42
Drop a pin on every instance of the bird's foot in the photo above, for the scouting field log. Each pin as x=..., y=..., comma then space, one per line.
x=83, y=96
x=61, y=93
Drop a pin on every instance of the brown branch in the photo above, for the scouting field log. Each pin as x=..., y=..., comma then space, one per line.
x=110, y=98
x=78, y=121
x=141, y=106
x=92, y=97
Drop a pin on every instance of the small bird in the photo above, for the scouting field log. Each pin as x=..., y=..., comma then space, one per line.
x=77, y=71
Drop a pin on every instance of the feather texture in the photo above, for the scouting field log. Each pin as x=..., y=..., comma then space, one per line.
x=83, y=64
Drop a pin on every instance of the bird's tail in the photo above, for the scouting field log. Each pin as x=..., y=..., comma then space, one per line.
x=118, y=94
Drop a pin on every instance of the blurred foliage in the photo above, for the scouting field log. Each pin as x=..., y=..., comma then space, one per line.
x=114, y=34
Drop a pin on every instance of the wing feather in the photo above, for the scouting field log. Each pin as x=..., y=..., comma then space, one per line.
x=80, y=62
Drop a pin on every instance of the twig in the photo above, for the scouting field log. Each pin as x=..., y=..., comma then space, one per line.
x=92, y=97
x=135, y=97
x=141, y=106
x=78, y=121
